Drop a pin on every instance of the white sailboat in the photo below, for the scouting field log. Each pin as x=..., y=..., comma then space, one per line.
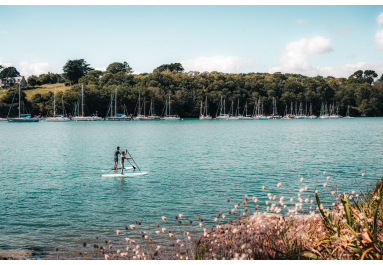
x=82, y=117
x=21, y=117
x=245, y=116
x=145, y=117
x=169, y=117
x=116, y=116
x=231, y=112
x=275, y=113
x=139, y=108
x=222, y=116
x=323, y=112
x=334, y=115
x=259, y=111
x=203, y=112
x=311, y=116
x=348, y=113
x=61, y=118
x=152, y=115
x=301, y=113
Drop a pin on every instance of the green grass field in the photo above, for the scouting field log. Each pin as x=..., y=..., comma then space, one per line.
x=45, y=89
x=40, y=90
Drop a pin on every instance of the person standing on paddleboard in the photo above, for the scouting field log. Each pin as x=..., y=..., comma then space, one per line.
x=123, y=153
x=116, y=153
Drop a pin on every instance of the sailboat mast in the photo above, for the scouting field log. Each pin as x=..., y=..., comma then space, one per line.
x=19, y=99
x=206, y=106
x=169, y=105
x=54, y=104
x=115, y=103
x=82, y=100
x=139, y=100
x=200, y=111
x=144, y=106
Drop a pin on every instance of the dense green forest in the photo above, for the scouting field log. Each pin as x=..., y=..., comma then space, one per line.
x=187, y=89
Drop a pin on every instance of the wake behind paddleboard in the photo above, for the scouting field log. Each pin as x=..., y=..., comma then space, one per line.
x=126, y=175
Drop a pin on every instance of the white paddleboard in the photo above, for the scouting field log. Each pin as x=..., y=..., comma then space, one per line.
x=126, y=175
x=120, y=168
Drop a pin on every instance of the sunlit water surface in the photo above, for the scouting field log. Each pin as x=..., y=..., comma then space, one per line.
x=52, y=193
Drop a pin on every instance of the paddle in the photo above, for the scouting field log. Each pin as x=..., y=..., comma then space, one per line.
x=133, y=161
x=131, y=164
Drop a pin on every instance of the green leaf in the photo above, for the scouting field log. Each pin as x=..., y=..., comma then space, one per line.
x=310, y=255
x=347, y=210
x=375, y=232
x=356, y=250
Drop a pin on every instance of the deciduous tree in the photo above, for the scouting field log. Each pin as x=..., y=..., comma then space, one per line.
x=75, y=69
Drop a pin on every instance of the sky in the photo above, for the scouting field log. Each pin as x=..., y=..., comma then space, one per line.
x=309, y=40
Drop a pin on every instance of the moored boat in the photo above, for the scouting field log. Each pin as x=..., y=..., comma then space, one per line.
x=55, y=118
x=82, y=117
x=21, y=117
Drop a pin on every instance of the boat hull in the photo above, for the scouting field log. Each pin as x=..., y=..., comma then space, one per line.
x=118, y=119
x=87, y=119
x=59, y=119
x=22, y=120
x=205, y=117
x=171, y=118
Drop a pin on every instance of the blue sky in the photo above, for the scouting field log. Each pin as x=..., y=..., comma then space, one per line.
x=311, y=40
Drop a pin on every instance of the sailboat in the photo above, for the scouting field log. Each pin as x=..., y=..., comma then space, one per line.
x=139, y=108
x=152, y=115
x=203, y=112
x=311, y=116
x=231, y=112
x=348, y=113
x=333, y=115
x=21, y=117
x=259, y=111
x=222, y=116
x=82, y=117
x=323, y=112
x=60, y=118
x=275, y=113
x=301, y=113
x=169, y=117
x=116, y=116
x=245, y=116
x=145, y=117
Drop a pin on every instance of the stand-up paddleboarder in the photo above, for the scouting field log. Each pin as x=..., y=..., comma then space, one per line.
x=116, y=153
x=123, y=153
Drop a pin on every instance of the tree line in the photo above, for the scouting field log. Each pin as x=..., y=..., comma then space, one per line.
x=187, y=89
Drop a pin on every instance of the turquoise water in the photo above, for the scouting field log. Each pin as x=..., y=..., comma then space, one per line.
x=52, y=193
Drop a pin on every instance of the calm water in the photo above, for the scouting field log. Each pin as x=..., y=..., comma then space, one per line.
x=52, y=193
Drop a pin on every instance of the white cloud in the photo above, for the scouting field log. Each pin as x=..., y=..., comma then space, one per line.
x=101, y=68
x=228, y=64
x=6, y=64
x=136, y=72
x=294, y=60
x=28, y=69
x=341, y=31
x=3, y=32
x=379, y=19
x=302, y=21
x=379, y=40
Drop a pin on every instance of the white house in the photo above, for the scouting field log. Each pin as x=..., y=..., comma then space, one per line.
x=11, y=81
